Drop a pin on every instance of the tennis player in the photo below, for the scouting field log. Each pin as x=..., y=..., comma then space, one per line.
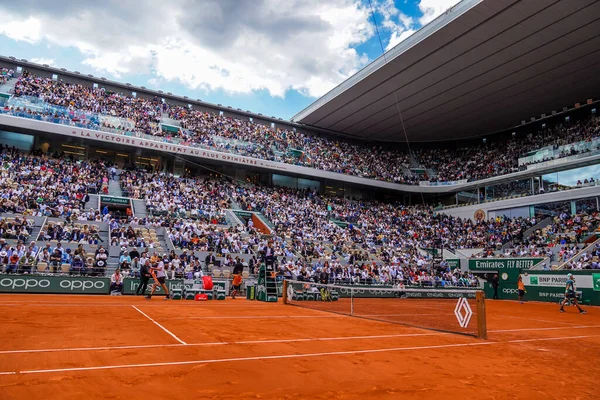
x=571, y=294
x=236, y=282
x=159, y=273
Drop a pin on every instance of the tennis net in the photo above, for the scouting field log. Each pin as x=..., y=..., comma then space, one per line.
x=459, y=311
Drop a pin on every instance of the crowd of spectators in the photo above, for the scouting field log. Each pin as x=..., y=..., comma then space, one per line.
x=73, y=232
x=167, y=195
x=590, y=259
x=16, y=228
x=215, y=130
x=394, y=274
x=41, y=185
x=6, y=75
x=354, y=241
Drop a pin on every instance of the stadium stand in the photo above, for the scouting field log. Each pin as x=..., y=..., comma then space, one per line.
x=56, y=101
x=193, y=220
x=369, y=242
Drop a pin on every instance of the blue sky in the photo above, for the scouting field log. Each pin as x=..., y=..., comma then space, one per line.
x=273, y=57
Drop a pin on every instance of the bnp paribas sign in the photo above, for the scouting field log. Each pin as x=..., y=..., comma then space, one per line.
x=498, y=264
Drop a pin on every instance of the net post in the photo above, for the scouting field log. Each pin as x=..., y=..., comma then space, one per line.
x=481, y=316
x=284, y=294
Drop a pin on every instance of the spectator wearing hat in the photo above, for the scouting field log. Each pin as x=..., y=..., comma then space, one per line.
x=89, y=266
x=116, y=282
x=135, y=267
x=100, y=266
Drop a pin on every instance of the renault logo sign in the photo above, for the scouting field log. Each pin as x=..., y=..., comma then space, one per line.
x=463, y=312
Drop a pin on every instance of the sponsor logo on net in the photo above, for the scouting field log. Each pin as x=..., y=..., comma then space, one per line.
x=66, y=284
x=463, y=312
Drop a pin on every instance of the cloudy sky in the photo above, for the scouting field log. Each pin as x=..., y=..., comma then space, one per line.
x=269, y=56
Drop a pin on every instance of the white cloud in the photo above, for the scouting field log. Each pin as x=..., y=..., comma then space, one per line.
x=27, y=30
x=239, y=47
x=431, y=9
x=397, y=37
x=396, y=23
x=47, y=61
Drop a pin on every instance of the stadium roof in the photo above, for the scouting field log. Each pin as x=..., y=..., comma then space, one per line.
x=482, y=67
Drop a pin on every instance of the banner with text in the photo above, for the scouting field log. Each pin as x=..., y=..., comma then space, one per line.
x=500, y=264
x=581, y=281
x=53, y=284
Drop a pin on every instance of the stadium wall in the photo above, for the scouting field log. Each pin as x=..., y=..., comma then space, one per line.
x=518, y=206
x=80, y=285
x=549, y=286
x=31, y=126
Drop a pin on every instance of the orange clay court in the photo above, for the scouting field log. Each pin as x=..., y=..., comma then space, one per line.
x=87, y=347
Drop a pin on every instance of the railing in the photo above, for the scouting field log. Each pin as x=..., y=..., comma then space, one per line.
x=557, y=157
x=168, y=240
x=86, y=120
x=235, y=218
x=41, y=229
x=448, y=183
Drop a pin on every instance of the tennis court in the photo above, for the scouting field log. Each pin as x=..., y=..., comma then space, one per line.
x=93, y=347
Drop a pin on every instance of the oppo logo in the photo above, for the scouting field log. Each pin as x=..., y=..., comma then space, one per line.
x=509, y=291
x=82, y=285
x=20, y=283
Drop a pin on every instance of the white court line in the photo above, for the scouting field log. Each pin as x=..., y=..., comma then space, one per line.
x=285, y=356
x=535, y=319
x=223, y=360
x=146, y=346
x=298, y=316
x=546, y=329
x=159, y=325
x=400, y=315
x=180, y=304
x=256, y=317
x=322, y=339
x=224, y=343
x=555, y=338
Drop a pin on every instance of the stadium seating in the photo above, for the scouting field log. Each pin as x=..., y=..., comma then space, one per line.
x=97, y=108
x=354, y=241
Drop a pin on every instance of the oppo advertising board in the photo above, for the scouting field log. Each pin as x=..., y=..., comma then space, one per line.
x=53, y=284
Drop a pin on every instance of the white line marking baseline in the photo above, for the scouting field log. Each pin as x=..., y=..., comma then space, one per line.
x=284, y=356
x=159, y=325
x=266, y=341
x=324, y=339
